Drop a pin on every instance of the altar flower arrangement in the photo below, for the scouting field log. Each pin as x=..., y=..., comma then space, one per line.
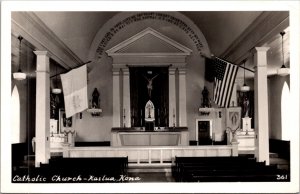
x=233, y=132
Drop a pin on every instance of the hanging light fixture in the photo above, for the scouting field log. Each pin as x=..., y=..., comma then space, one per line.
x=56, y=90
x=283, y=71
x=245, y=88
x=19, y=75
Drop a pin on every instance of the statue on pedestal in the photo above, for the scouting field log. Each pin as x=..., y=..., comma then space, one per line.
x=205, y=99
x=246, y=107
x=95, y=100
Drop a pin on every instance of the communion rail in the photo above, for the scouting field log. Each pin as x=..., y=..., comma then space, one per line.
x=153, y=155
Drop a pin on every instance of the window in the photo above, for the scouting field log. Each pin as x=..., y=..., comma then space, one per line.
x=15, y=115
x=285, y=112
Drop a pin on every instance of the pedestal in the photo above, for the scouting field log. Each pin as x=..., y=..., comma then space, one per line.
x=247, y=124
x=235, y=151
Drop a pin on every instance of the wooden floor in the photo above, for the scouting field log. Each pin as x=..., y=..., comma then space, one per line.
x=153, y=176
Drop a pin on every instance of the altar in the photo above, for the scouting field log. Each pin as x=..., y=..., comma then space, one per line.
x=178, y=136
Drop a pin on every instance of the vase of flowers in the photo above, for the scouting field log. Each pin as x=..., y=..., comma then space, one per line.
x=233, y=132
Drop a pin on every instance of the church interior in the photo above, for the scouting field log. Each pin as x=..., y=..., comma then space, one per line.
x=151, y=112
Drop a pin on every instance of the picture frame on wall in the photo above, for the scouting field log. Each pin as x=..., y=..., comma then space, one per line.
x=233, y=118
x=65, y=124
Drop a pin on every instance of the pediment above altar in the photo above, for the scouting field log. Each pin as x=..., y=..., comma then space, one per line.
x=149, y=42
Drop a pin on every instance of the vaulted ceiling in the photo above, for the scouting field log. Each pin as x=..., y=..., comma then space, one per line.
x=230, y=34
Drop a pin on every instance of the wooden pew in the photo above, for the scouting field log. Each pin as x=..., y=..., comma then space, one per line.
x=86, y=168
x=225, y=169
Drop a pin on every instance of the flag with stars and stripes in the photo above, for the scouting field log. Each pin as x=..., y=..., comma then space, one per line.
x=75, y=90
x=225, y=74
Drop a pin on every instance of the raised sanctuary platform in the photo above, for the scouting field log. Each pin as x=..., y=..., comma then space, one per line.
x=177, y=136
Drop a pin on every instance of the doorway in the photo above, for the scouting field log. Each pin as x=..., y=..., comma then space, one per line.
x=204, y=131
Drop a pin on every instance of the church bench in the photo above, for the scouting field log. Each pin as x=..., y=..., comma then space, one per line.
x=273, y=177
x=98, y=167
x=252, y=175
x=267, y=173
x=194, y=169
x=186, y=173
x=209, y=161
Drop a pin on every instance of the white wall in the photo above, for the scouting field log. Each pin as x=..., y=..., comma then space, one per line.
x=275, y=85
x=100, y=75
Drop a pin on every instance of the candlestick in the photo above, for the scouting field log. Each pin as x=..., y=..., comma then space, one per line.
x=124, y=122
x=173, y=118
x=158, y=121
x=141, y=119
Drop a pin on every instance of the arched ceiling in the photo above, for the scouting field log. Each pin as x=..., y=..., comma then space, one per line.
x=221, y=29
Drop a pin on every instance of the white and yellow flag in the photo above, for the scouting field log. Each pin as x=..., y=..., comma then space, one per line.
x=74, y=85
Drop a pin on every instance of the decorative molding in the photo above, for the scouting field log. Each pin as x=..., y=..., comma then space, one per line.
x=145, y=16
x=38, y=34
x=182, y=50
x=152, y=58
x=263, y=28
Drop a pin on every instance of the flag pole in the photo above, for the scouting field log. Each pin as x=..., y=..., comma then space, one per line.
x=72, y=68
x=213, y=56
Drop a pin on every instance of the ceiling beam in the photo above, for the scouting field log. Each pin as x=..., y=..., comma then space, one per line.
x=28, y=25
x=263, y=28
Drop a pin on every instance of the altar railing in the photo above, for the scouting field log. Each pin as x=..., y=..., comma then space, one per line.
x=151, y=156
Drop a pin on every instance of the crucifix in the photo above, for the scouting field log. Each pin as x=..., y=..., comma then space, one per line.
x=149, y=84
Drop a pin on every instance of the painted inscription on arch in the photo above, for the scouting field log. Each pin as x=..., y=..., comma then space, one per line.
x=144, y=16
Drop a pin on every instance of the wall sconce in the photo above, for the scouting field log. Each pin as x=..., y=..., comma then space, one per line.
x=19, y=75
x=283, y=71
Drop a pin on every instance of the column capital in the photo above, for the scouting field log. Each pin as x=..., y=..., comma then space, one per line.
x=119, y=65
x=172, y=70
x=182, y=71
x=116, y=71
x=125, y=70
x=260, y=57
x=42, y=61
x=41, y=53
x=261, y=49
x=179, y=65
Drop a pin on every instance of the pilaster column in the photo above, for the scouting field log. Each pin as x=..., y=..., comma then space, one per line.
x=126, y=98
x=42, y=118
x=116, y=98
x=172, y=97
x=182, y=98
x=261, y=105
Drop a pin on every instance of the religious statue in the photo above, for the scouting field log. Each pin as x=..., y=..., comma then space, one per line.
x=53, y=106
x=246, y=107
x=205, y=99
x=95, y=100
x=149, y=84
x=67, y=122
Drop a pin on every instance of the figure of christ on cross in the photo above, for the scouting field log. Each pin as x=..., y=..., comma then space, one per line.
x=149, y=84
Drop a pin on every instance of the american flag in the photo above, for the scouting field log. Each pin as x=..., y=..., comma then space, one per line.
x=225, y=74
